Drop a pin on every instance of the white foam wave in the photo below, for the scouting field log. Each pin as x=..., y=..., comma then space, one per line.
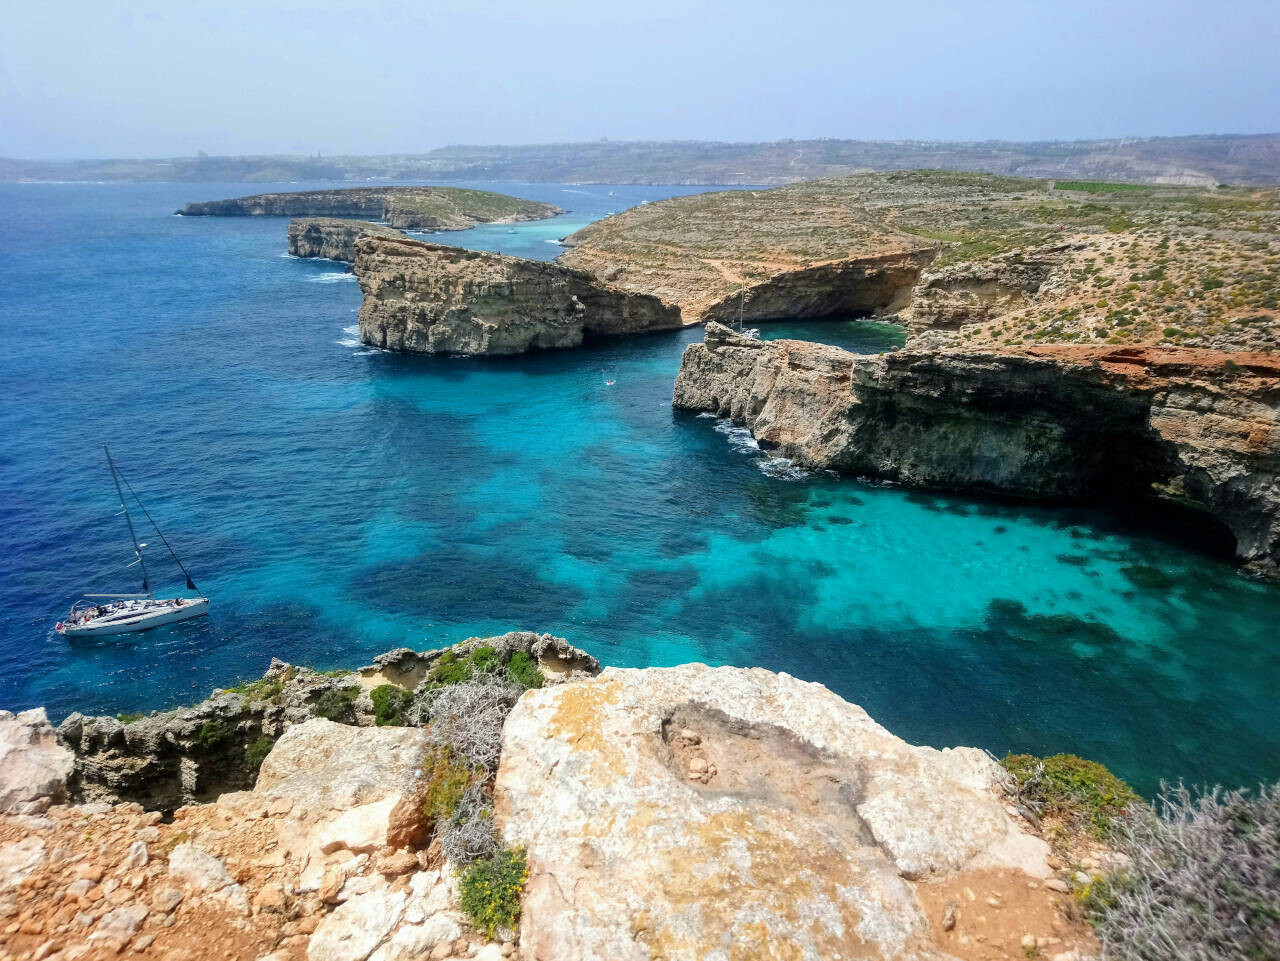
x=741, y=440
x=347, y=342
x=352, y=330
x=332, y=278
x=781, y=468
x=707, y=413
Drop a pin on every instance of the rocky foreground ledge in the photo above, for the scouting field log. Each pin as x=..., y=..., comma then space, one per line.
x=688, y=812
x=1196, y=427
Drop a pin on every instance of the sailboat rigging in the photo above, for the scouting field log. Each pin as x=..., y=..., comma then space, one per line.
x=751, y=332
x=101, y=614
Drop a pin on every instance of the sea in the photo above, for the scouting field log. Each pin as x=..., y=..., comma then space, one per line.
x=335, y=502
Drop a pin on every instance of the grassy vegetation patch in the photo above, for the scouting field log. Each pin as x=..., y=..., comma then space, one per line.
x=446, y=778
x=1097, y=186
x=1082, y=793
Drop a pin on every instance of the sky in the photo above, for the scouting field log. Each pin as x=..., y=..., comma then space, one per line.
x=107, y=78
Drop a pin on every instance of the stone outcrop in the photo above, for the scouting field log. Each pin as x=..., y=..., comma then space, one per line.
x=430, y=299
x=196, y=753
x=408, y=208
x=1201, y=428
x=331, y=237
x=34, y=767
x=695, y=812
x=979, y=291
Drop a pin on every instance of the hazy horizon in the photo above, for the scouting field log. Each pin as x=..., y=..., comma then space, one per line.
x=336, y=78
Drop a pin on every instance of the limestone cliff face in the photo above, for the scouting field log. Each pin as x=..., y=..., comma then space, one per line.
x=331, y=237
x=409, y=208
x=981, y=290
x=1196, y=427
x=875, y=285
x=430, y=299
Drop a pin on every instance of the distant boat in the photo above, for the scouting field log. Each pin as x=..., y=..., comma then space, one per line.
x=95, y=615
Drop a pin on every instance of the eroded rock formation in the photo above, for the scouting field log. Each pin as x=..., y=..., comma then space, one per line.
x=695, y=812
x=194, y=754
x=331, y=237
x=430, y=299
x=410, y=208
x=1198, y=427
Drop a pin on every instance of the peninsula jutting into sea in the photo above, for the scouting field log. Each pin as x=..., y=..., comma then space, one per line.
x=639, y=483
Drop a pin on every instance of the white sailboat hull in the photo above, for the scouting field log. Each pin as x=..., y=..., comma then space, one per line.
x=138, y=616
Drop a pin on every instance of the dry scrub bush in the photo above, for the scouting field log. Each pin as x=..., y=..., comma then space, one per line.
x=1204, y=882
x=468, y=718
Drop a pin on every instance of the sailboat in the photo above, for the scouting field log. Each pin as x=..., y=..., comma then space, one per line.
x=751, y=332
x=96, y=615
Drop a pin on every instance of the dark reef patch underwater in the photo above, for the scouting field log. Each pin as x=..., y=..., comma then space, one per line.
x=336, y=502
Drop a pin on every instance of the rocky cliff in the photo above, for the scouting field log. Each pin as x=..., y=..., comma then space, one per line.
x=331, y=237
x=194, y=754
x=430, y=299
x=1201, y=428
x=682, y=813
x=409, y=208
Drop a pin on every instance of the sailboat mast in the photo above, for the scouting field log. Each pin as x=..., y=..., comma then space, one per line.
x=146, y=584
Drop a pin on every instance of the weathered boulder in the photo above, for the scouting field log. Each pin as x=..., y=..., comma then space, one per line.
x=322, y=766
x=34, y=767
x=430, y=299
x=697, y=812
x=331, y=237
x=1197, y=428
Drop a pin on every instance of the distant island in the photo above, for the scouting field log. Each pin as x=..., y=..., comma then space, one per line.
x=1204, y=160
x=408, y=208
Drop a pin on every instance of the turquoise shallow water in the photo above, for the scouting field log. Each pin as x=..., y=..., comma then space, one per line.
x=335, y=502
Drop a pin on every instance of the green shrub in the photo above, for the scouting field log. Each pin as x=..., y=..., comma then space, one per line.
x=1202, y=883
x=257, y=752
x=1082, y=793
x=449, y=669
x=337, y=704
x=389, y=704
x=445, y=780
x=485, y=659
x=523, y=670
x=127, y=718
x=491, y=890
x=212, y=734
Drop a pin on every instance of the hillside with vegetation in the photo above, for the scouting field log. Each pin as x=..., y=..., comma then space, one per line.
x=1198, y=160
x=1015, y=261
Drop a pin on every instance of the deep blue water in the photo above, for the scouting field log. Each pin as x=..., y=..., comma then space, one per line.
x=335, y=502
